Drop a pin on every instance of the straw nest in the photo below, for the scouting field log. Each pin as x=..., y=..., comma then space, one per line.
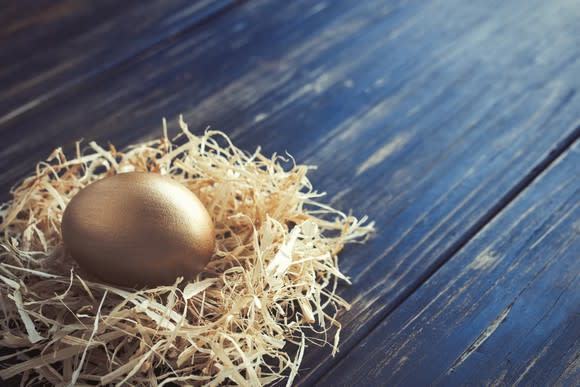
x=269, y=287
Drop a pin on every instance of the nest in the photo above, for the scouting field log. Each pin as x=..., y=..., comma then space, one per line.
x=268, y=292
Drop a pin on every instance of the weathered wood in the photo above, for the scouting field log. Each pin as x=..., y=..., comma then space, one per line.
x=504, y=311
x=47, y=46
x=427, y=115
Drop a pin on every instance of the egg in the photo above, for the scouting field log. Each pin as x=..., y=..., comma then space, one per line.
x=138, y=229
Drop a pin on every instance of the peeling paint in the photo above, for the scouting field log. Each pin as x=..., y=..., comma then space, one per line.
x=384, y=152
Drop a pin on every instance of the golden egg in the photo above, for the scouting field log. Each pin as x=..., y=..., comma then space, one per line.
x=138, y=229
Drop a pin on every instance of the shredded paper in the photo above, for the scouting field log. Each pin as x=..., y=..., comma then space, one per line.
x=247, y=319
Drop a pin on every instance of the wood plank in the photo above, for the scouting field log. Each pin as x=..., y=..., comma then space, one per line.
x=504, y=311
x=47, y=46
x=423, y=114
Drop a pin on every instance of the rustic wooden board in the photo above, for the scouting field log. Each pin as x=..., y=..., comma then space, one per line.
x=47, y=46
x=503, y=311
x=427, y=115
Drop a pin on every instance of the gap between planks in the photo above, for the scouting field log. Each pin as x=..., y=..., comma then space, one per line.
x=485, y=219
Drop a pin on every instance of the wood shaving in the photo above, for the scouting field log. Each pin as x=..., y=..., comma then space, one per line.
x=268, y=292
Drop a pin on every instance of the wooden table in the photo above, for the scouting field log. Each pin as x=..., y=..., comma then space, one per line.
x=454, y=124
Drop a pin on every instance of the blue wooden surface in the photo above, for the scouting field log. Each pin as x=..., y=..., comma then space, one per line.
x=430, y=116
x=502, y=311
x=50, y=46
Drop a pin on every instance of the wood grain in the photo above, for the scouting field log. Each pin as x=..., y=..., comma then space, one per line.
x=48, y=46
x=504, y=311
x=425, y=115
